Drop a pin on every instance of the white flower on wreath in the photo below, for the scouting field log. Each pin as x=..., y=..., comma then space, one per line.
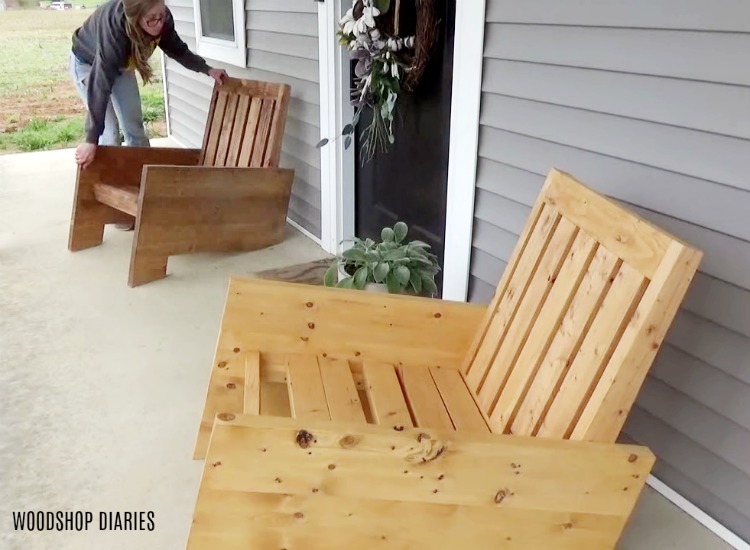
x=347, y=22
x=367, y=21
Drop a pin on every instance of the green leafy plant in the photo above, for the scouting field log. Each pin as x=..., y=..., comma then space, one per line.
x=403, y=266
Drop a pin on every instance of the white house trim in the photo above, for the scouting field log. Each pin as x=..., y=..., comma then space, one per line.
x=304, y=231
x=696, y=513
x=336, y=162
x=466, y=96
x=165, y=92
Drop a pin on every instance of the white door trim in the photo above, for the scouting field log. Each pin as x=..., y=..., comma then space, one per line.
x=336, y=162
x=464, y=141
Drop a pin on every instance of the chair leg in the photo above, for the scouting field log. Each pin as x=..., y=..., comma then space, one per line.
x=86, y=228
x=146, y=267
x=148, y=260
x=90, y=216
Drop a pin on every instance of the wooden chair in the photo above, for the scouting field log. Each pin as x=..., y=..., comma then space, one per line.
x=518, y=405
x=228, y=196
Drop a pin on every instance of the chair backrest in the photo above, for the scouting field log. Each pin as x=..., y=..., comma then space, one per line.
x=245, y=125
x=578, y=316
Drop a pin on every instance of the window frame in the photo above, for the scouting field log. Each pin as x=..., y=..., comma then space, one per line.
x=226, y=51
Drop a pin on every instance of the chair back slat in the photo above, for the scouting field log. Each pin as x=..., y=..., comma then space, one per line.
x=566, y=341
x=251, y=127
x=246, y=124
x=213, y=128
x=549, y=313
x=262, y=132
x=577, y=317
x=227, y=131
x=238, y=130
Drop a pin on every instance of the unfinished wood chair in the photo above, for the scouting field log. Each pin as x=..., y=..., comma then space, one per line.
x=230, y=195
x=542, y=380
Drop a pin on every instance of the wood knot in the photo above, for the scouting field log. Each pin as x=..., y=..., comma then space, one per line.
x=277, y=480
x=315, y=490
x=632, y=458
x=304, y=438
x=398, y=428
x=567, y=526
x=309, y=304
x=441, y=476
x=348, y=441
x=226, y=417
x=331, y=466
x=502, y=494
x=357, y=354
x=438, y=315
x=222, y=364
x=236, y=350
x=427, y=452
x=299, y=515
x=231, y=385
x=311, y=325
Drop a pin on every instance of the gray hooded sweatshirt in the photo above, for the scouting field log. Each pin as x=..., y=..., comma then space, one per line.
x=103, y=43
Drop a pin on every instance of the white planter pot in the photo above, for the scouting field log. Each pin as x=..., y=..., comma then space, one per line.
x=370, y=287
x=375, y=287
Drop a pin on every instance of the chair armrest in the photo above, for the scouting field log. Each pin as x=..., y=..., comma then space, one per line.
x=161, y=180
x=124, y=165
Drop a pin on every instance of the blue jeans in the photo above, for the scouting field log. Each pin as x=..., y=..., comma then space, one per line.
x=123, y=110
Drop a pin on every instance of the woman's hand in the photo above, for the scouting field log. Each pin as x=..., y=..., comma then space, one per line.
x=85, y=154
x=219, y=75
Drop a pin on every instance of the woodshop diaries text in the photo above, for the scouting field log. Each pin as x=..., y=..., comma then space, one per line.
x=81, y=521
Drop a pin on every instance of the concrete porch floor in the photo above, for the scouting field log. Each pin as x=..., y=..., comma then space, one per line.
x=102, y=386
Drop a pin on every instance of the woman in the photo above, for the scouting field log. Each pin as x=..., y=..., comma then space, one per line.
x=117, y=39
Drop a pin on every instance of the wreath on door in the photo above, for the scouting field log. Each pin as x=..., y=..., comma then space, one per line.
x=390, y=58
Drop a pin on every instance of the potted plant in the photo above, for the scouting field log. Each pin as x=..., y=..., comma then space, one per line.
x=392, y=265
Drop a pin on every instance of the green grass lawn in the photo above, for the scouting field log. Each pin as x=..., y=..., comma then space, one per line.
x=39, y=106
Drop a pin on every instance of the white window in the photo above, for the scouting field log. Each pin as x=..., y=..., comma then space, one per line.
x=220, y=30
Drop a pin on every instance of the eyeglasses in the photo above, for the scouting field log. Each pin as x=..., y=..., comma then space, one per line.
x=153, y=21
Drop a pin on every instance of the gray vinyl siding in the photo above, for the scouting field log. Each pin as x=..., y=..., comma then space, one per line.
x=648, y=103
x=282, y=43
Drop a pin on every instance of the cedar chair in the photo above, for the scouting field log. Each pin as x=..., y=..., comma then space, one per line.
x=344, y=419
x=228, y=196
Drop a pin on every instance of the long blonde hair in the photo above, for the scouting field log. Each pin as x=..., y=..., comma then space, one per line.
x=143, y=45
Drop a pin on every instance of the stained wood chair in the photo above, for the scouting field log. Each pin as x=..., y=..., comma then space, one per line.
x=230, y=195
x=511, y=411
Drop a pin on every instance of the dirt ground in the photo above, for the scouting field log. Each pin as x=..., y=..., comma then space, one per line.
x=59, y=99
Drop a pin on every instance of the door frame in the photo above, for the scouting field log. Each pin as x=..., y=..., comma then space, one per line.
x=337, y=163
